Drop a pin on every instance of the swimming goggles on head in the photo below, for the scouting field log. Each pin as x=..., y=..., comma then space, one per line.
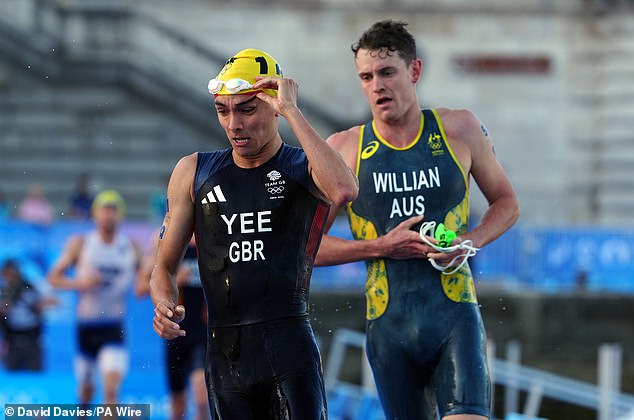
x=444, y=238
x=232, y=86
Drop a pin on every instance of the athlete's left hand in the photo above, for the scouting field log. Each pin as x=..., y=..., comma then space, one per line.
x=443, y=258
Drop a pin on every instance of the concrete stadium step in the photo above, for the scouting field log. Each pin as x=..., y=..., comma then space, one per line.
x=130, y=146
x=616, y=200
x=64, y=97
x=77, y=143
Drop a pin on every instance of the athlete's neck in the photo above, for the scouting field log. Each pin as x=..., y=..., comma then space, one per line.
x=400, y=132
x=107, y=235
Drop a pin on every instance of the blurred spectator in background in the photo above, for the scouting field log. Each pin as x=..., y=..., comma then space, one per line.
x=158, y=203
x=5, y=208
x=21, y=307
x=80, y=201
x=105, y=263
x=35, y=208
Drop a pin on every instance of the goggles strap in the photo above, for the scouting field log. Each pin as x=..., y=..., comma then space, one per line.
x=427, y=229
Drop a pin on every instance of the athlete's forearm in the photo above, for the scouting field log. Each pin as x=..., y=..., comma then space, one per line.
x=163, y=287
x=331, y=173
x=498, y=218
x=334, y=250
x=62, y=282
x=58, y=280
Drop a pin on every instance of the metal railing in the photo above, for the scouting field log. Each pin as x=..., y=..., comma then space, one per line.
x=604, y=397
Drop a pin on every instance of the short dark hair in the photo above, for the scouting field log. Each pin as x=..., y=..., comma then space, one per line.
x=390, y=35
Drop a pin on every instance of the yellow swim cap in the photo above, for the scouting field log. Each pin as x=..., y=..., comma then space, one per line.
x=109, y=198
x=240, y=71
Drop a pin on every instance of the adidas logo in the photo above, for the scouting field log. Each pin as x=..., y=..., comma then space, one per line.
x=213, y=196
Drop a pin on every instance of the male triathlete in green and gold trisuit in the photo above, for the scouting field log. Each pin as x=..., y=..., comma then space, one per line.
x=425, y=337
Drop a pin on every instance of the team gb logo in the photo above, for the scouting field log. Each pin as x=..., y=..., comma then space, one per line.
x=274, y=175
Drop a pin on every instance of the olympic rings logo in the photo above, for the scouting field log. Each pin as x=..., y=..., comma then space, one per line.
x=275, y=190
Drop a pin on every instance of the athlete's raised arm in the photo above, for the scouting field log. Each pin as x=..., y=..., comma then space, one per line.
x=329, y=171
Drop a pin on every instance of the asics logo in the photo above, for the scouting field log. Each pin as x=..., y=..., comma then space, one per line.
x=370, y=149
x=214, y=195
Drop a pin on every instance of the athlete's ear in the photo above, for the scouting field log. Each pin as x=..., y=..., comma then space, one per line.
x=417, y=69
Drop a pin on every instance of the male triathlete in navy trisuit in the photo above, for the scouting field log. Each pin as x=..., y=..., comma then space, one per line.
x=257, y=210
x=425, y=338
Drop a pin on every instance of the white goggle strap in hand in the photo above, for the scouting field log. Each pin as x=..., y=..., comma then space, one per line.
x=427, y=229
x=460, y=259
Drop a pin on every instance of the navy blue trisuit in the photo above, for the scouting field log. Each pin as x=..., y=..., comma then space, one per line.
x=425, y=336
x=183, y=355
x=257, y=231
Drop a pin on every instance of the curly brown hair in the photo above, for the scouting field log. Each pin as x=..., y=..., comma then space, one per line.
x=388, y=35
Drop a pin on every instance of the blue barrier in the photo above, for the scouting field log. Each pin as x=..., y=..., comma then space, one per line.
x=560, y=260
x=349, y=402
x=546, y=259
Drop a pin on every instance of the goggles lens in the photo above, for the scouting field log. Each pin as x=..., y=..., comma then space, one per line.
x=214, y=86
x=232, y=86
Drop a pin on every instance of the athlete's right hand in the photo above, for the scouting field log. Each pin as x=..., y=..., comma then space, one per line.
x=402, y=243
x=166, y=320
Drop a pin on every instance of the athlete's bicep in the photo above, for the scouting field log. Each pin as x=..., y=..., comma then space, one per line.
x=70, y=254
x=345, y=144
x=67, y=259
x=178, y=224
x=486, y=169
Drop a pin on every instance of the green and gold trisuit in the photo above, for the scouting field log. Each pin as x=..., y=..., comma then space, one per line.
x=426, y=340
